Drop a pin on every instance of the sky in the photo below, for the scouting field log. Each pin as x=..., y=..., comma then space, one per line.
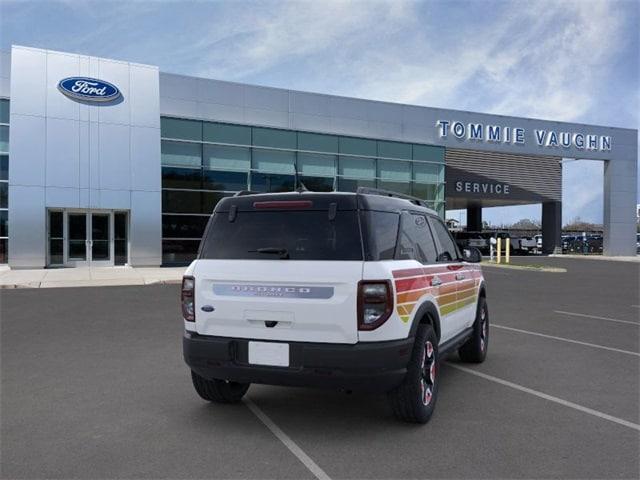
x=558, y=60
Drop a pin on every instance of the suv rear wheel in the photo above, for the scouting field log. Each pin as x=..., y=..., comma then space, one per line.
x=474, y=350
x=415, y=399
x=219, y=391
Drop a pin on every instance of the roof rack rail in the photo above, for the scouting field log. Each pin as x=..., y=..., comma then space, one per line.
x=387, y=193
x=242, y=193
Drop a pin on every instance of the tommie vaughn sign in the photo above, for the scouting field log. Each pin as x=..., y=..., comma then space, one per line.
x=478, y=132
x=88, y=89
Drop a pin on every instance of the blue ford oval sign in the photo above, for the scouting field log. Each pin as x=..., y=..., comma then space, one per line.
x=89, y=89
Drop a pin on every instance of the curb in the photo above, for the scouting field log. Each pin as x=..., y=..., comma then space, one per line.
x=99, y=283
x=524, y=267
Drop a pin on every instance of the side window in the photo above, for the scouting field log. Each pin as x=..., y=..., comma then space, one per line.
x=382, y=228
x=415, y=241
x=448, y=251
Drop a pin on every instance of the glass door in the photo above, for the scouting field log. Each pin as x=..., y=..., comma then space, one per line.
x=100, y=242
x=77, y=240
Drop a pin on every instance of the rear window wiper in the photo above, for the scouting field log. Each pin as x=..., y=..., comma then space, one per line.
x=283, y=252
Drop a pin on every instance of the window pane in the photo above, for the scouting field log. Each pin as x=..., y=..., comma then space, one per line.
x=4, y=194
x=317, y=184
x=317, y=143
x=397, y=187
x=394, y=150
x=316, y=164
x=357, y=167
x=175, y=201
x=274, y=161
x=4, y=167
x=305, y=235
x=179, y=153
x=415, y=242
x=271, y=137
x=211, y=199
x=120, y=226
x=382, y=232
x=425, y=191
x=183, y=226
x=183, y=129
x=228, y=181
x=428, y=153
x=179, y=251
x=4, y=255
x=4, y=223
x=392, y=170
x=227, y=158
x=224, y=133
x=358, y=146
x=4, y=111
x=448, y=250
x=428, y=172
x=261, y=182
x=182, y=178
x=55, y=225
x=350, y=185
x=4, y=139
x=56, y=252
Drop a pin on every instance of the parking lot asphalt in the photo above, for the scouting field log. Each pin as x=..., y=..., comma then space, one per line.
x=94, y=386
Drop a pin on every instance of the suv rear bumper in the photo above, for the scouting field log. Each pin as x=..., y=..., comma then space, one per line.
x=371, y=366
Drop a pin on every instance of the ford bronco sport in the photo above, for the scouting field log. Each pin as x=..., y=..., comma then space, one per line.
x=354, y=291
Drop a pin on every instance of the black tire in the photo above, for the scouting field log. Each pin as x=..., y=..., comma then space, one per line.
x=415, y=399
x=219, y=391
x=474, y=350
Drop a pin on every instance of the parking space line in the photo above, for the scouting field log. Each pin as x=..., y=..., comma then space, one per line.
x=287, y=441
x=596, y=317
x=545, y=396
x=562, y=339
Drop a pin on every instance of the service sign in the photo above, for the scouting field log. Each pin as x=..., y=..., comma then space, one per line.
x=88, y=89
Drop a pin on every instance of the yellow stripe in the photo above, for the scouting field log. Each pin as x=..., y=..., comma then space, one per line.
x=452, y=307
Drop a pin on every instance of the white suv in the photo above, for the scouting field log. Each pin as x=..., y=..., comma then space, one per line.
x=353, y=291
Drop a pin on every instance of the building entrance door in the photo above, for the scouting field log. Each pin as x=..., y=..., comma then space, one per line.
x=87, y=238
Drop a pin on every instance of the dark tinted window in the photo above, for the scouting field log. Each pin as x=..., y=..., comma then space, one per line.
x=264, y=182
x=4, y=167
x=183, y=226
x=305, y=235
x=448, y=251
x=316, y=184
x=4, y=230
x=381, y=236
x=181, y=178
x=415, y=241
x=179, y=251
x=229, y=181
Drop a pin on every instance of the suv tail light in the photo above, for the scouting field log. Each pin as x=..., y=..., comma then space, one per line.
x=375, y=303
x=188, y=299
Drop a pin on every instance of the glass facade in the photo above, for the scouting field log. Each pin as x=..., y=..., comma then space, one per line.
x=203, y=162
x=4, y=180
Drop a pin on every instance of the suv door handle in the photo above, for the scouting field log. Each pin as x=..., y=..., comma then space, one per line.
x=436, y=282
x=460, y=276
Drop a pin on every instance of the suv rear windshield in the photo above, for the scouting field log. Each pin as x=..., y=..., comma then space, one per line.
x=277, y=235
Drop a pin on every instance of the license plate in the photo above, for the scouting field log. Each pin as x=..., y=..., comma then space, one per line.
x=269, y=353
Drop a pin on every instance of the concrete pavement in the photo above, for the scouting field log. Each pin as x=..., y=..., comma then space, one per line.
x=89, y=277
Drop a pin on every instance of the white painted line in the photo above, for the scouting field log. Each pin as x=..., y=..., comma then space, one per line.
x=562, y=339
x=636, y=306
x=288, y=442
x=596, y=317
x=551, y=398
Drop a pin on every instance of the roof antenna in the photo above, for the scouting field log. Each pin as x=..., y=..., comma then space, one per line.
x=301, y=188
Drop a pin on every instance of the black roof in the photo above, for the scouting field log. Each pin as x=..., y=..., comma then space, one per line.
x=246, y=201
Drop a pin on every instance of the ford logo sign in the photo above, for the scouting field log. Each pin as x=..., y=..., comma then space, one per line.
x=89, y=89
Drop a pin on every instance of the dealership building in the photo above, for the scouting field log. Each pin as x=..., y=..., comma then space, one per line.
x=107, y=162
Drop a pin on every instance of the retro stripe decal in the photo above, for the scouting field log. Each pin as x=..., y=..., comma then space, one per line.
x=413, y=283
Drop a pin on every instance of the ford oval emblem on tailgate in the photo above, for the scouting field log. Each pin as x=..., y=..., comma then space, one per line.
x=279, y=291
